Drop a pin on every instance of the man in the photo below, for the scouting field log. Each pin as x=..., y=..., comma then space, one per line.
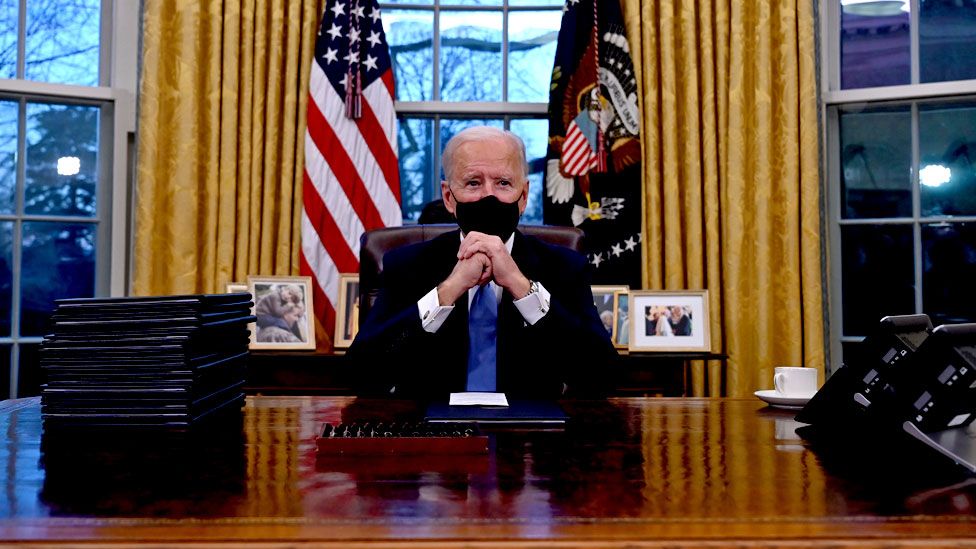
x=486, y=309
x=680, y=322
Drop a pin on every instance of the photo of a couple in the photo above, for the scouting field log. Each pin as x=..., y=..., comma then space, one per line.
x=667, y=320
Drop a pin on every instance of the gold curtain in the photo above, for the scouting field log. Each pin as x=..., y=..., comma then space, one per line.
x=221, y=118
x=731, y=179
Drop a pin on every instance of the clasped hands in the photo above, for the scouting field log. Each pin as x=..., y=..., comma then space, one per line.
x=482, y=258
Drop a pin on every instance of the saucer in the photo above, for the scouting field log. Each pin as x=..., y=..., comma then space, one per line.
x=771, y=397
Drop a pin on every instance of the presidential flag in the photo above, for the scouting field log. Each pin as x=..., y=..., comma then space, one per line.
x=593, y=171
x=351, y=181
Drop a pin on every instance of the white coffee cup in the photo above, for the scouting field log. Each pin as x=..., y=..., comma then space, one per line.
x=795, y=381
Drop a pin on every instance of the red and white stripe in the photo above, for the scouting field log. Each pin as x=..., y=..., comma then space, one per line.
x=351, y=183
x=578, y=157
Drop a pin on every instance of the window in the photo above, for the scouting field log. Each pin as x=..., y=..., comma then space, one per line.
x=901, y=140
x=59, y=155
x=459, y=63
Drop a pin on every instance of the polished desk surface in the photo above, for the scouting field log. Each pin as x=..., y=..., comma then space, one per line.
x=626, y=472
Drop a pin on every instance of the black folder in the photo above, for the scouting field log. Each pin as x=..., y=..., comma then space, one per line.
x=518, y=413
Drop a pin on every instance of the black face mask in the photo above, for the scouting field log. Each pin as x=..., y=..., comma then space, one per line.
x=488, y=215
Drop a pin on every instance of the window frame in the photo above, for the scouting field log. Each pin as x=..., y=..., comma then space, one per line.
x=115, y=95
x=832, y=100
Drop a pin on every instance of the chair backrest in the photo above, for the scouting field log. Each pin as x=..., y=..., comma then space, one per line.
x=374, y=244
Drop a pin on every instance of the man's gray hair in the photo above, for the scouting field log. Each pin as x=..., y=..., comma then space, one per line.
x=482, y=133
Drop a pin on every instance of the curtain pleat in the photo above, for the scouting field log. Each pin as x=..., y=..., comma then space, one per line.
x=732, y=192
x=221, y=119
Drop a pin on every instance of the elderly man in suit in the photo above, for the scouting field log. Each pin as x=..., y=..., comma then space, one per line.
x=485, y=308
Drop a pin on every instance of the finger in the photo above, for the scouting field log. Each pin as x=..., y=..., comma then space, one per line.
x=473, y=249
x=471, y=239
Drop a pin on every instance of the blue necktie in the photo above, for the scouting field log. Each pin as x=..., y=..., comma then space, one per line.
x=481, y=340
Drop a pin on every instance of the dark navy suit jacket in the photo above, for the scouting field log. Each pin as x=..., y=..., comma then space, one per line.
x=566, y=352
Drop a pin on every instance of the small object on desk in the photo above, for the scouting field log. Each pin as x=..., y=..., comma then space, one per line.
x=474, y=398
x=779, y=400
x=401, y=438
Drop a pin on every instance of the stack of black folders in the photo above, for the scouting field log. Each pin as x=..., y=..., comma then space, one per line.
x=153, y=363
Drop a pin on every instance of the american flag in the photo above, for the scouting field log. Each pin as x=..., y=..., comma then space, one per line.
x=578, y=153
x=352, y=180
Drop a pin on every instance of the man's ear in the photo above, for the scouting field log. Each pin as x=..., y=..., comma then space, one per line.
x=447, y=197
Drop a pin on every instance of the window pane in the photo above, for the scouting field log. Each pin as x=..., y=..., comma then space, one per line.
x=58, y=262
x=471, y=54
x=878, y=275
x=948, y=272
x=4, y=371
x=947, y=40
x=531, y=51
x=947, y=148
x=8, y=41
x=8, y=156
x=411, y=34
x=416, y=146
x=62, y=158
x=62, y=43
x=6, y=276
x=535, y=133
x=29, y=372
x=874, y=44
x=449, y=127
x=876, y=158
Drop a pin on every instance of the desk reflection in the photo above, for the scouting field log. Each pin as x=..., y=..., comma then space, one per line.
x=673, y=470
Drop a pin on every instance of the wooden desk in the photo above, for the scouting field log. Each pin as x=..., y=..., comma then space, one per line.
x=311, y=373
x=626, y=473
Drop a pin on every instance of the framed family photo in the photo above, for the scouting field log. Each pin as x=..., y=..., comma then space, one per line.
x=347, y=314
x=603, y=299
x=283, y=307
x=669, y=321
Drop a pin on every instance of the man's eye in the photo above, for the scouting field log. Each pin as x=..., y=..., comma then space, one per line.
x=505, y=183
x=472, y=183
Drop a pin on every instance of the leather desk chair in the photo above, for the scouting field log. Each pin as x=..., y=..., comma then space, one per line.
x=374, y=244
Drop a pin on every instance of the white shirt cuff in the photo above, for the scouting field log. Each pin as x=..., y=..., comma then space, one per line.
x=534, y=306
x=432, y=313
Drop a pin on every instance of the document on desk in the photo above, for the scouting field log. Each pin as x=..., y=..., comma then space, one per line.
x=478, y=399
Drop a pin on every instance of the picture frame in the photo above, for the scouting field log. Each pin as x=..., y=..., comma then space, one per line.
x=603, y=300
x=283, y=307
x=686, y=313
x=236, y=287
x=621, y=319
x=347, y=312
